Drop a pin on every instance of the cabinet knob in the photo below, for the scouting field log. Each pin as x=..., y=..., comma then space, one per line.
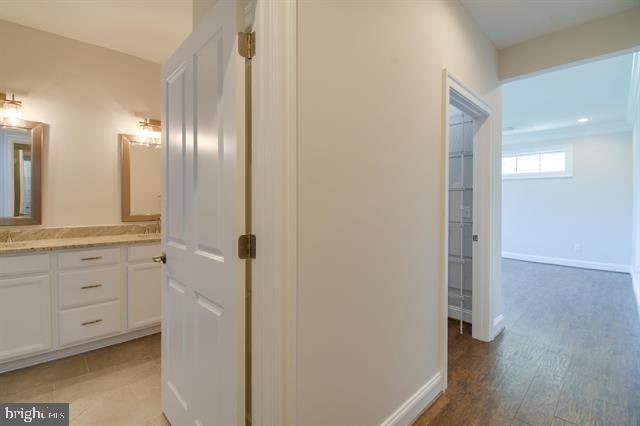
x=162, y=258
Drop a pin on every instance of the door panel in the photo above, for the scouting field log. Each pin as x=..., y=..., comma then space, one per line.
x=175, y=372
x=144, y=292
x=208, y=324
x=203, y=279
x=176, y=142
x=209, y=147
x=25, y=309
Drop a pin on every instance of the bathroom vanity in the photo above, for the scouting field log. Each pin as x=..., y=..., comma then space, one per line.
x=63, y=296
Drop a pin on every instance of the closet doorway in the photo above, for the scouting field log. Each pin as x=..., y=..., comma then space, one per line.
x=470, y=285
x=461, y=229
x=471, y=279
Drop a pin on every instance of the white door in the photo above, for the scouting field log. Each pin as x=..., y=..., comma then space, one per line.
x=203, y=215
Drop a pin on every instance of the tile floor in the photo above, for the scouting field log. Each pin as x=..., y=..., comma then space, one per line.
x=114, y=386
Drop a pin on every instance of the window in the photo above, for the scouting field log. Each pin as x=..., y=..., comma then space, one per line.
x=547, y=163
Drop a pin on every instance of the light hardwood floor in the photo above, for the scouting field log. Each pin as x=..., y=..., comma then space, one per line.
x=570, y=354
x=114, y=386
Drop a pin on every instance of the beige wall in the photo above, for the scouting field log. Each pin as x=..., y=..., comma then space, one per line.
x=87, y=95
x=200, y=8
x=370, y=197
x=579, y=43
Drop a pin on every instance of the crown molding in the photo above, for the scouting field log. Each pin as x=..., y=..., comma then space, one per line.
x=633, y=106
x=579, y=130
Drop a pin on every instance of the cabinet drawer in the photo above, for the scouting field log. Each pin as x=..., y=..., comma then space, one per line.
x=89, y=322
x=26, y=264
x=89, y=286
x=143, y=253
x=76, y=259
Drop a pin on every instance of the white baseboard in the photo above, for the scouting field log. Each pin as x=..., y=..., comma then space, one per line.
x=635, y=282
x=575, y=263
x=74, y=350
x=416, y=404
x=454, y=312
x=498, y=326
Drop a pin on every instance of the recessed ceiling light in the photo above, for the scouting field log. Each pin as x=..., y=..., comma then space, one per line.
x=583, y=120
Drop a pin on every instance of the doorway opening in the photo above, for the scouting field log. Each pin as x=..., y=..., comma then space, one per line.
x=567, y=201
x=470, y=284
x=461, y=233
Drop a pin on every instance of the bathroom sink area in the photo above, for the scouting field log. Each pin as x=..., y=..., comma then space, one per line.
x=84, y=238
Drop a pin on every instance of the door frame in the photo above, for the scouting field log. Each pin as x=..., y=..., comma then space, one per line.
x=275, y=188
x=487, y=320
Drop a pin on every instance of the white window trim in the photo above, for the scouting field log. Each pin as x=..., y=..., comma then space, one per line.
x=517, y=151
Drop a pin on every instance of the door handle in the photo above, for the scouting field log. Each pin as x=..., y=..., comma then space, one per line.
x=162, y=258
x=84, y=287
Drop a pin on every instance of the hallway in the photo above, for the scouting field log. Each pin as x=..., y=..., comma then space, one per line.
x=570, y=354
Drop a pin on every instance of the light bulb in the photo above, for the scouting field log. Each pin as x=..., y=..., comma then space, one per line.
x=150, y=130
x=11, y=111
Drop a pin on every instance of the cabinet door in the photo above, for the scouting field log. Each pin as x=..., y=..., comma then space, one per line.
x=25, y=316
x=143, y=295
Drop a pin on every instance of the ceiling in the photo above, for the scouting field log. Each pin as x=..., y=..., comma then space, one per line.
x=148, y=29
x=152, y=29
x=551, y=103
x=509, y=22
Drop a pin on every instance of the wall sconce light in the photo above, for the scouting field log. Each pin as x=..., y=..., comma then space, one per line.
x=10, y=109
x=150, y=129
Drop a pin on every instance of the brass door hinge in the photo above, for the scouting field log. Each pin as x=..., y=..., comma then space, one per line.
x=247, y=44
x=247, y=246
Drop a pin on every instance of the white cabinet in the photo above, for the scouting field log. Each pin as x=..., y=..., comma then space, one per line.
x=143, y=295
x=84, y=258
x=25, y=315
x=143, y=253
x=27, y=264
x=84, y=284
x=89, y=286
x=69, y=301
x=143, y=286
x=89, y=322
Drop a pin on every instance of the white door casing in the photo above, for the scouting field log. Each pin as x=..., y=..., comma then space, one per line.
x=485, y=252
x=203, y=215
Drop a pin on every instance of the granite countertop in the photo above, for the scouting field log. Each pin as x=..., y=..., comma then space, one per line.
x=48, y=239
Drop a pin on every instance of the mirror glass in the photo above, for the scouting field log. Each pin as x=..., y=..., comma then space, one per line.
x=20, y=174
x=141, y=180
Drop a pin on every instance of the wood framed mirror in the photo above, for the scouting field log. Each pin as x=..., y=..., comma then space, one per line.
x=141, y=180
x=21, y=148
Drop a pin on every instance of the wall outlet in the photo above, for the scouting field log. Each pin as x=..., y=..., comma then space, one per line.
x=577, y=248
